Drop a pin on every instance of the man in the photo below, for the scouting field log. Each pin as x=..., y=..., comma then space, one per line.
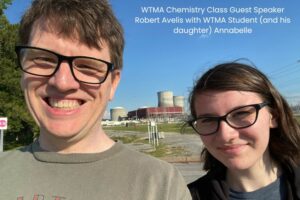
x=71, y=58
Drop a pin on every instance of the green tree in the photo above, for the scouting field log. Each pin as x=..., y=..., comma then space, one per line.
x=21, y=127
x=3, y=5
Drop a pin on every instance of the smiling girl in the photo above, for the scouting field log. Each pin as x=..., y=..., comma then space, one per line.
x=251, y=139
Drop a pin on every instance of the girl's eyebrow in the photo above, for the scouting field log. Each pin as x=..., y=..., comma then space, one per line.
x=215, y=115
x=207, y=115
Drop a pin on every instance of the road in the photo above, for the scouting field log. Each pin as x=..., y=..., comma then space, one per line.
x=190, y=171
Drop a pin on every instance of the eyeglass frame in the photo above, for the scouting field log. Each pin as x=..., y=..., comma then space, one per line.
x=61, y=58
x=257, y=107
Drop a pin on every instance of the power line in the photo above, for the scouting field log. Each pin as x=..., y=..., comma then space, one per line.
x=288, y=69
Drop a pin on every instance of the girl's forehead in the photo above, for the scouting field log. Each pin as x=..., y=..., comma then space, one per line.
x=224, y=101
x=220, y=94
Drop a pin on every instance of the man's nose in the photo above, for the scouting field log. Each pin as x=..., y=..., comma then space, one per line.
x=63, y=78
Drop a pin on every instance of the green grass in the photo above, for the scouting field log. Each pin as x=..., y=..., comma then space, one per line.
x=298, y=119
x=163, y=127
x=163, y=150
x=11, y=146
x=160, y=151
x=127, y=138
x=138, y=128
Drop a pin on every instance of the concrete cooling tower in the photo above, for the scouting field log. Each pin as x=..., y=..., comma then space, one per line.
x=117, y=113
x=178, y=101
x=165, y=99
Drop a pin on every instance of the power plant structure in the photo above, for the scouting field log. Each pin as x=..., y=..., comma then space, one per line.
x=165, y=99
x=178, y=101
x=170, y=108
x=118, y=113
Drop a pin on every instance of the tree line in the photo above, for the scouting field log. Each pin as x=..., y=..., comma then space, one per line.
x=21, y=126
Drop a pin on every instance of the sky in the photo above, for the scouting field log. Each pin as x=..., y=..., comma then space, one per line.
x=164, y=52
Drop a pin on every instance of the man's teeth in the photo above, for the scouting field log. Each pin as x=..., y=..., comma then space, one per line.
x=64, y=104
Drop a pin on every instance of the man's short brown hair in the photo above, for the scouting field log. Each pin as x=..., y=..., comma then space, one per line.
x=91, y=21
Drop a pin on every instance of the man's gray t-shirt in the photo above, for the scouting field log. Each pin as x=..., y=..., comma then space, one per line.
x=117, y=174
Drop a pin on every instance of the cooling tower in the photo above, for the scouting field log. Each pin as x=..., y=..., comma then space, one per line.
x=117, y=113
x=165, y=99
x=178, y=101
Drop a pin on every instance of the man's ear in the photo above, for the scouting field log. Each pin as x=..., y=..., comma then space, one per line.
x=22, y=84
x=115, y=79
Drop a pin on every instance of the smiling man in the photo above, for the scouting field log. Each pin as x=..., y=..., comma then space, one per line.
x=71, y=60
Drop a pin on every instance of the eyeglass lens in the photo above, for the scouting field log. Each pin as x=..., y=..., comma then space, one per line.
x=238, y=118
x=44, y=63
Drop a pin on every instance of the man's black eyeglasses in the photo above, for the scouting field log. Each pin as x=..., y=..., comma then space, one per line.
x=43, y=62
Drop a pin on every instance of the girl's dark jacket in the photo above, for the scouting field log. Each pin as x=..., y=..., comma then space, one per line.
x=212, y=186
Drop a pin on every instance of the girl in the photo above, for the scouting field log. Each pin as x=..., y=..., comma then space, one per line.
x=251, y=139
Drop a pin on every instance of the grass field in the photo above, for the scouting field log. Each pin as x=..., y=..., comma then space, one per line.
x=161, y=150
x=298, y=119
x=165, y=127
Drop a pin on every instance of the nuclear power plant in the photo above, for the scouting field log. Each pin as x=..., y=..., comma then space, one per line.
x=170, y=108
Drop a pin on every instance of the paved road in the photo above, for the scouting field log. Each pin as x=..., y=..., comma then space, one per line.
x=190, y=171
x=190, y=142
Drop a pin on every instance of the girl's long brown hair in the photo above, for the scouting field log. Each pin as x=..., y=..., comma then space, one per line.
x=284, y=144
